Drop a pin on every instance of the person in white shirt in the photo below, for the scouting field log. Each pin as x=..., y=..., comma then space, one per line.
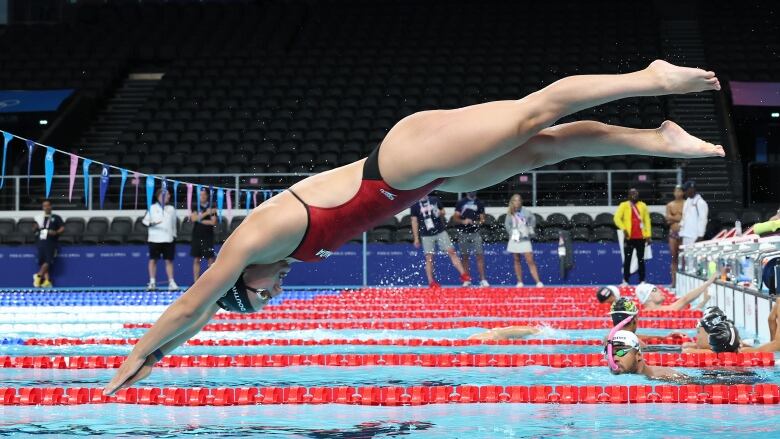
x=161, y=220
x=695, y=213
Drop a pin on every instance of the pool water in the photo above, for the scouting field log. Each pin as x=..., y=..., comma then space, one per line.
x=432, y=421
x=349, y=421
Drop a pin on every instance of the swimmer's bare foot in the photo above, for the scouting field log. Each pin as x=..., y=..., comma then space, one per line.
x=677, y=143
x=673, y=79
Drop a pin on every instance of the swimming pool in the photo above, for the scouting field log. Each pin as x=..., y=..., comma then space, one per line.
x=50, y=337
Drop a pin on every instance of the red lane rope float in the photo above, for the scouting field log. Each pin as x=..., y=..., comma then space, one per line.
x=401, y=325
x=344, y=341
x=380, y=313
x=395, y=396
x=413, y=359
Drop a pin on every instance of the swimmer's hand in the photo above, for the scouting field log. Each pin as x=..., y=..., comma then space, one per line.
x=131, y=371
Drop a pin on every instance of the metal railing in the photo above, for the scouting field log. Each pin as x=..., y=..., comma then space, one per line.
x=538, y=186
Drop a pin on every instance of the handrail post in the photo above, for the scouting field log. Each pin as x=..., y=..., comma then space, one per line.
x=365, y=259
x=17, y=194
x=609, y=188
x=533, y=189
x=89, y=193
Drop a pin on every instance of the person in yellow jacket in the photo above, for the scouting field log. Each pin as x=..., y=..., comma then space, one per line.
x=633, y=218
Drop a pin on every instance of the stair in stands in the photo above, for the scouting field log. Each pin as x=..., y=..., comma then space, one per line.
x=109, y=124
x=682, y=44
x=119, y=112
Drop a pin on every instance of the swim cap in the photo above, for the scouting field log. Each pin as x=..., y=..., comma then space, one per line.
x=236, y=299
x=724, y=337
x=603, y=293
x=643, y=291
x=625, y=338
x=712, y=316
x=621, y=309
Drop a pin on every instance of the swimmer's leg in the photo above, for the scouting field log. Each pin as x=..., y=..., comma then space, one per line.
x=582, y=139
x=446, y=143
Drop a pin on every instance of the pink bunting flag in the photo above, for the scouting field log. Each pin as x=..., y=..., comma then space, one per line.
x=229, y=214
x=74, y=165
x=189, y=199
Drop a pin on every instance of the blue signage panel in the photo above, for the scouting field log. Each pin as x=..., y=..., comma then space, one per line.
x=388, y=264
x=23, y=101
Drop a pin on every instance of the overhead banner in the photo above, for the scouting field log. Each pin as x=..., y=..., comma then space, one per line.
x=755, y=94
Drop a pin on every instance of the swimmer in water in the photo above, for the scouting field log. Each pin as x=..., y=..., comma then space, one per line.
x=624, y=354
x=652, y=298
x=506, y=333
x=458, y=150
x=608, y=294
x=723, y=336
x=712, y=316
x=624, y=311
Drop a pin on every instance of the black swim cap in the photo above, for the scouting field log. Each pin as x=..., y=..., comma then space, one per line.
x=603, y=293
x=236, y=299
x=621, y=309
x=724, y=338
x=712, y=317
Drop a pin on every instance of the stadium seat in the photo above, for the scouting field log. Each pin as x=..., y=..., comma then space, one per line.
x=604, y=234
x=97, y=227
x=604, y=220
x=120, y=228
x=581, y=220
x=558, y=221
x=74, y=228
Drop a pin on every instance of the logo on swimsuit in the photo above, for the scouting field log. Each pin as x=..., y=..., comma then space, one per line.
x=390, y=196
x=323, y=253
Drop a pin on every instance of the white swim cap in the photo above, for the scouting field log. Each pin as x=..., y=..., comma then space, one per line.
x=625, y=338
x=643, y=291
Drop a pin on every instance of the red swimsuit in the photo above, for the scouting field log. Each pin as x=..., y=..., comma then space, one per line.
x=330, y=227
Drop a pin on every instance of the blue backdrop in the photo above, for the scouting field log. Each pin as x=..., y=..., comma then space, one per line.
x=20, y=101
x=388, y=264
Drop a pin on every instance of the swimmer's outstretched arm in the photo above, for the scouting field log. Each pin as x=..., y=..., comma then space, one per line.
x=774, y=343
x=692, y=295
x=183, y=317
x=267, y=236
x=507, y=333
x=704, y=300
x=147, y=366
x=665, y=374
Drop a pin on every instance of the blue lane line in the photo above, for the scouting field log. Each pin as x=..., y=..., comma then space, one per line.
x=7, y=341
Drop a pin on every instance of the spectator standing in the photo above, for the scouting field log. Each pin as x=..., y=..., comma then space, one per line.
x=520, y=223
x=48, y=228
x=203, y=225
x=161, y=221
x=470, y=216
x=429, y=228
x=674, y=210
x=633, y=218
x=693, y=224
